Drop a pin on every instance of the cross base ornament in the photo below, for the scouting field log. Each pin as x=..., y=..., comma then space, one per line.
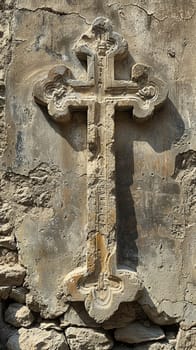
x=100, y=284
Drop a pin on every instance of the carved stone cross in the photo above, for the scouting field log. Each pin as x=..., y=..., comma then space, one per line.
x=100, y=284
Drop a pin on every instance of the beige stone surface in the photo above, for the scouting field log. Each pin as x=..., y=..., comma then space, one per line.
x=126, y=313
x=137, y=332
x=76, y=315
x=147, y=346
x=155, y=346
x=86, y=338
x=36, y=339
x=18, y=294
x=186, y=340
x=50, y=324
x=18, y=315
x=11, y=275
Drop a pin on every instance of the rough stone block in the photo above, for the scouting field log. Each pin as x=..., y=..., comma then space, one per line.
x=19, y=294
x=147, y=346
x=18, y=315
x=186, y=340
x=36, y=339
x=11, y=275
x=8, y=242
x=86, y=338
x=154, y=346
x=137, y=332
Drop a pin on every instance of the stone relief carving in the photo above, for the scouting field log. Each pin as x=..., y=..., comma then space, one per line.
x=100, y=284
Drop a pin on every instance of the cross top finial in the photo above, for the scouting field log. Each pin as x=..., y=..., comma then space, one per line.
x=101, y=25
x=102, y=39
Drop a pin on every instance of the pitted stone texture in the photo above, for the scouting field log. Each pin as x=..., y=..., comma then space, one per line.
x=19, y=315
x=186, y=340
x=5, y=39
x=137, y=332
x=37, y=339
x=5, y=228
x=43, y=298
x=147, y=346
x=34, y=305
x=11, y=275
x=189, y=317
x=87, y=339
x=8, y=257
x=154, y=346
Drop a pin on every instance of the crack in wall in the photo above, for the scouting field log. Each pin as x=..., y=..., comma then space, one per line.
x=151, y=15
x=55, y=12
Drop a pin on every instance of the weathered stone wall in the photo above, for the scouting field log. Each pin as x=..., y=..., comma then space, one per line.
x=44, y=183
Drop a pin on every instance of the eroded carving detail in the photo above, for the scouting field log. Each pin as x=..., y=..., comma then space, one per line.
x=100, y=284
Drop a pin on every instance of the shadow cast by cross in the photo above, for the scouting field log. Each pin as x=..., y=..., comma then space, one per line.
x=165, y=128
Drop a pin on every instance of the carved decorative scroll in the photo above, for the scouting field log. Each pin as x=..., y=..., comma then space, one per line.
x=100, y=284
